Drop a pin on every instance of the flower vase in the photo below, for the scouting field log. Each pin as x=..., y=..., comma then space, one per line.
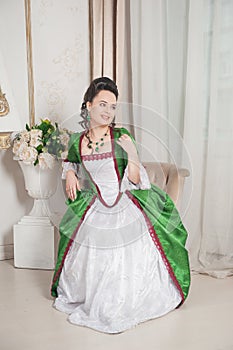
x=40, y=184
x=34, y=235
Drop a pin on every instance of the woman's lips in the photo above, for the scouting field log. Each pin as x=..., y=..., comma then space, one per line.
x=105, y=117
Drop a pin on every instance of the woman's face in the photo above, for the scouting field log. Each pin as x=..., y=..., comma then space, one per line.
x=102, y=108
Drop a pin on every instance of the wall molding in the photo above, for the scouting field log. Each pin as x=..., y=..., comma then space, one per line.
x=27, y=4
x=6, y=251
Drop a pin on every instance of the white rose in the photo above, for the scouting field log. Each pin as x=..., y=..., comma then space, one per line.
x=28, y=154
x=36, y=133
x=35, y=142
x=17, y=146
x=35, y=138
x=25, y=136
x=46, y=161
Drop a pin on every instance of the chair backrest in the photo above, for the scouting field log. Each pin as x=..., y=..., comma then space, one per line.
x=167, y=177
x=157, y=173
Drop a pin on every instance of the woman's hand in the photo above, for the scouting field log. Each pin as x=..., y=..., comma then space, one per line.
x=128, y=146
x=72, y=185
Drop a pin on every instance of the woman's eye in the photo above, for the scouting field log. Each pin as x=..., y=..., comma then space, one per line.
x=114, y=108
x=102, y=104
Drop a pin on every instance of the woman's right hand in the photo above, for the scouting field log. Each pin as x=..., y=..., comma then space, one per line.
x=72, y=185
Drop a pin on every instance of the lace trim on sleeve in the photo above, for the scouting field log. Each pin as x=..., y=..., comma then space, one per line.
x=144, y=183
x=68, y=166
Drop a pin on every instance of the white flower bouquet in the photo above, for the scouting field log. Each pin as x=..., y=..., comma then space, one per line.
x=41, y=144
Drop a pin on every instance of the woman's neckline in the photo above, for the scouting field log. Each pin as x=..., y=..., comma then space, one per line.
x=103, y=154
x=97, y=156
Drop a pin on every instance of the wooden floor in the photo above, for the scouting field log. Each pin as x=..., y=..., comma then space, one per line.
x=29, y=322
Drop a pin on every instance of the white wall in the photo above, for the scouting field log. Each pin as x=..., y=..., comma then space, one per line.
x=60, y=40
x=13, y=79
x=60, y=32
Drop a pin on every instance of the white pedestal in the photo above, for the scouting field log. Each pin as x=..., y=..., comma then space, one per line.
x=35, y=243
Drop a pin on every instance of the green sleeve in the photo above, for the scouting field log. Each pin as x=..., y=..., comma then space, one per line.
x=125, y=131
x=73, y=148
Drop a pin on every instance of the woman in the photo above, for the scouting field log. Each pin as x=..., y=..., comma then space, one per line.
x=121, y=258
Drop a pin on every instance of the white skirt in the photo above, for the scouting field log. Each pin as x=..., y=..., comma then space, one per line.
x=113, y=276
x=112, y=288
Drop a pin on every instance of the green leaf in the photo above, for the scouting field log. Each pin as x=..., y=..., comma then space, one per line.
x=39, y=148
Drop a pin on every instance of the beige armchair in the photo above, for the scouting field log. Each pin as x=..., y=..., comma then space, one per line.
x=169, y=178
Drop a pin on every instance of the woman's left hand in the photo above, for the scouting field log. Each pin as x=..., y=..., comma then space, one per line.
x=127, y=144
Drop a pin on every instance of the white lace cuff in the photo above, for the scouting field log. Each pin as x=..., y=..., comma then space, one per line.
x=68, y=166
x=144, y=183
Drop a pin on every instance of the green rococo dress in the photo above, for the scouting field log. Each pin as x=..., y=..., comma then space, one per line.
x=121, y=258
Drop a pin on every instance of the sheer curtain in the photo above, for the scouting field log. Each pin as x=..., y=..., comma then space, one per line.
x=176, y=71
x=159, y=39
x=208, y=134
x=182, y=61
x=216, y=253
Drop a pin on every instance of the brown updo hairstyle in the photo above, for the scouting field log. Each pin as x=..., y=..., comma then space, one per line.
x=97, y=85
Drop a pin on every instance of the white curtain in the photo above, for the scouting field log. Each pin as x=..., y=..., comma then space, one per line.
x=149, y=76
x=216, y=253
x=159, y=61
x=208, y=134
x=175, y=72
x=182, y=68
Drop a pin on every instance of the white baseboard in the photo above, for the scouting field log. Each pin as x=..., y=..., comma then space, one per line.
x=6, y=252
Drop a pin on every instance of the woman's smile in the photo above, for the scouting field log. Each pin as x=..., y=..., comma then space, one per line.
x=105, y=117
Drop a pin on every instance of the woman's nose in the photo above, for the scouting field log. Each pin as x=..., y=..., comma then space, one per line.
x=107, y=108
